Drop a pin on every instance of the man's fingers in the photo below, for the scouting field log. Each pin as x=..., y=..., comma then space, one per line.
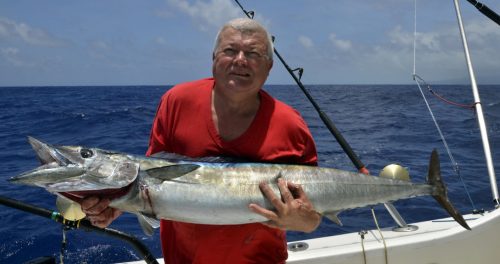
x=263, y=211
x=89, y=202
x=105, y=218
x=269, y=194
x=286, y=195
x=94, y=205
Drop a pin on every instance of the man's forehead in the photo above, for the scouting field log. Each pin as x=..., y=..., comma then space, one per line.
x=232, y=35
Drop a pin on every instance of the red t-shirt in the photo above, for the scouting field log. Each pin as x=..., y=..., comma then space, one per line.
x=184, y=125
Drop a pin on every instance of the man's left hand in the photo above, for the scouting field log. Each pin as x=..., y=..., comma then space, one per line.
x=294, y=211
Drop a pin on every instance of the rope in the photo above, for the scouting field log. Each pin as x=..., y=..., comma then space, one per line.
x=362, y=234
x=418, y=80
x=381, y=236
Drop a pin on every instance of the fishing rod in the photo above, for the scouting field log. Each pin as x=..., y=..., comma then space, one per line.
x=324, y=117
x=486, y=11
x=81, y=224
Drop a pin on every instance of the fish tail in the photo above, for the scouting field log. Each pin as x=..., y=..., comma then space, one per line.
x=440, y=193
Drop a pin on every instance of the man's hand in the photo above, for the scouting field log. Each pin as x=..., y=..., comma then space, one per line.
x=98, y=212
x=294, y=211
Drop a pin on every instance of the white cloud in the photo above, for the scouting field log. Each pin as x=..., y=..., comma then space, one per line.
x=30, y=35
x=12, y=55
x=306, y=42
x=340, y=43
x=208, y=14
x=439, y=55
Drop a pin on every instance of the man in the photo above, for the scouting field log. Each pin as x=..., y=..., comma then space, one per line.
x=230, y=115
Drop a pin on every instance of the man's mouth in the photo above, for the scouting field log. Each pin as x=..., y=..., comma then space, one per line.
x=240, y=74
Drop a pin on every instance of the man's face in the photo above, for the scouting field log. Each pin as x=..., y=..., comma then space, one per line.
x=240, y=62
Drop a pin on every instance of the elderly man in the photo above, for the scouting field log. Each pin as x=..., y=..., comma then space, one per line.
x=230, y=115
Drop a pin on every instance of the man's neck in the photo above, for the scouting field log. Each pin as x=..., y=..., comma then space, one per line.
x=233, y=115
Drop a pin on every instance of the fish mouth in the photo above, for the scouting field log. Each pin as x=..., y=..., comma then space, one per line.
x=57, y=163
x=48, y=154
x=75, y=168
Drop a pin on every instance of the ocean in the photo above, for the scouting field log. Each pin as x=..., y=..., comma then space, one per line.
x=384, y=124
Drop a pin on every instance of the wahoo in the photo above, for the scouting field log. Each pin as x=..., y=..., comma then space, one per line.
x=209, y=191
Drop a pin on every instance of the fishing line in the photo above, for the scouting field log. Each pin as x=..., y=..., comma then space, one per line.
x=63, y=245
x=420, y=81
x=324, y=117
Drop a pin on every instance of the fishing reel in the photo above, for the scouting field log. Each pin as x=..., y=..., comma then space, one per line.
x=69, y=209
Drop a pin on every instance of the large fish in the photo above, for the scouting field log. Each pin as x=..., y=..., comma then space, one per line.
x=205, y=192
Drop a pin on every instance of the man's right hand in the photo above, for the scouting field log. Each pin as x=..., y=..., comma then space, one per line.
x=98, y=211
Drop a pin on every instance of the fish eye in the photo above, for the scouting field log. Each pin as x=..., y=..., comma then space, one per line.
x=86, y=153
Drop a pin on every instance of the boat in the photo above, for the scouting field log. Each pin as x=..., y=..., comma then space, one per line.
x=433, y=241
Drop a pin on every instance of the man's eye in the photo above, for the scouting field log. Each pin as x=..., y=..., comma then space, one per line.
x=86, y=153
x=229, y=52
x=253, y=55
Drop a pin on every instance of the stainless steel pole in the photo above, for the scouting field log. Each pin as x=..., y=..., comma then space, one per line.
x=479, y=110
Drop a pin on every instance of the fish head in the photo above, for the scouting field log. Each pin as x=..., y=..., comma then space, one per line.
x=77, y=168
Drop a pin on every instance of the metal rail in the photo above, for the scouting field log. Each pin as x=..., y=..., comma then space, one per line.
x=81, y=224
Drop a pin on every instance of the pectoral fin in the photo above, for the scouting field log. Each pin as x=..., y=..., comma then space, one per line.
x=171, y=172
x=148, y=224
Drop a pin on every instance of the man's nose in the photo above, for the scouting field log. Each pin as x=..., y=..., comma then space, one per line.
x=240, y=57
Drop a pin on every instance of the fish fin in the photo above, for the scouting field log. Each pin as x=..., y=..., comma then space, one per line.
x=276, y=178
x=334, y=217
x=148, y=224
x=440, y=192
x=174, y=157
x=170, y=156
x=172, y=171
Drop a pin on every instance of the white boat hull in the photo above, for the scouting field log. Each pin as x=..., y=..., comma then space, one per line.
x=440, y=241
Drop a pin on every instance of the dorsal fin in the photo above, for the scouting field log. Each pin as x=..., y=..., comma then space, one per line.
x=171, y=172
x=174, y=157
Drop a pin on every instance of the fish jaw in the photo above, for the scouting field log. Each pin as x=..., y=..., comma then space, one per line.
x=76, y=168
x=56, y=165
x=62, y=155
x=47, y=174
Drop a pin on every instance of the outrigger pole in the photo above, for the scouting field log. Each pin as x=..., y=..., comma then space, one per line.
x=324, y=117
x=81, y=224
x=486, y=11
x=479, y=110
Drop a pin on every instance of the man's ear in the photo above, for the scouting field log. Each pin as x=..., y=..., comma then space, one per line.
x=271, y=65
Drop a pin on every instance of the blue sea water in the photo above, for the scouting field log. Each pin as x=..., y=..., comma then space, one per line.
x=383, y=123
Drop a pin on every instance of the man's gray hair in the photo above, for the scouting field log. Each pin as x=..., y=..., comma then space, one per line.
x=247, y=25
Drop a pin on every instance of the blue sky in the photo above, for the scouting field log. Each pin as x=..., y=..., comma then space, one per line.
x=137, y=42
